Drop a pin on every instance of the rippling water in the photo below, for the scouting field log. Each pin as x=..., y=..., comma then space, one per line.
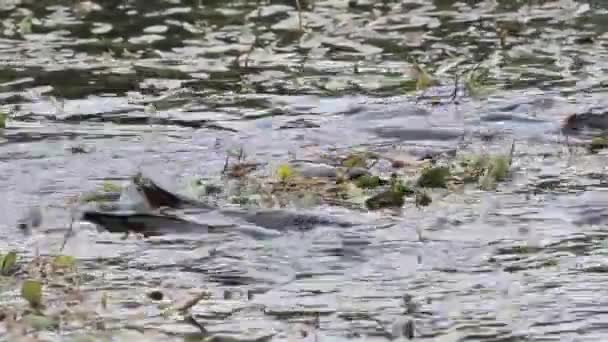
x=525, y=263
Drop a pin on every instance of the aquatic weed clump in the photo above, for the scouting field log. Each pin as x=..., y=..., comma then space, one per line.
x=434, y=177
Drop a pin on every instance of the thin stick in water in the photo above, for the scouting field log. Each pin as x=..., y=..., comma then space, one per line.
x=301, y=26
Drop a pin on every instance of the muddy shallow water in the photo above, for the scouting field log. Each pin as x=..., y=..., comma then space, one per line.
x=169, y=87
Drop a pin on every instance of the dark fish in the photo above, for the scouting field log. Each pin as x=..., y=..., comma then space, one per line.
x=148, y=224
x=285, y=220
x=578, y=122
x=158, y=197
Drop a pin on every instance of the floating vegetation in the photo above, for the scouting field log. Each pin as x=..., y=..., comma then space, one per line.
x=349, y=184
x=7, y=263
x=369, y=182
x=475, y=81
x=40, y=322
x=3, y=118
x=485, y=170
x=240, y=168
x=434, y=177
x=110, y=187
x=64, y=262
x=31, y=290
x=56, y=276
x=423, y=199
x=423, y=78
x=284, y=173
x=390, y=198
x=25, y=25
x=598, y=143
x=107, y=192
x=393, y=197
x=355, y=160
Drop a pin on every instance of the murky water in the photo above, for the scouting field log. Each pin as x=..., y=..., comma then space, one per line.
x=525, y=263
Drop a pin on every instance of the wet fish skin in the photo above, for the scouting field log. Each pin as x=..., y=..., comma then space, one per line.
x=578, y=122
x=158, y=197
x=284, y=220
x=148, y=224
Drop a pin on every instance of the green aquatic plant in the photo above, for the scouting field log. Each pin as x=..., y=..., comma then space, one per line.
x=31, y=291
x=369, y=182
x=485, y=169
x=473, y=167
x=106, y=192
x=598, y=143
x=386, y=199
x=7, y=263
x=399, y=185
x=423, y=78
x=434, y=177
x=476, y=81
x=496, y=170
x=499, y=167
x=355, y=160
x=393, y=197
x=108, y=186
x=25, y=25
x=422, y=199
x=3, y=117
x=40, y=322
x=285, y=172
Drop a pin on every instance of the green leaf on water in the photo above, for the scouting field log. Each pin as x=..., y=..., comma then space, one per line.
x=8, y=262
x=31, y=290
